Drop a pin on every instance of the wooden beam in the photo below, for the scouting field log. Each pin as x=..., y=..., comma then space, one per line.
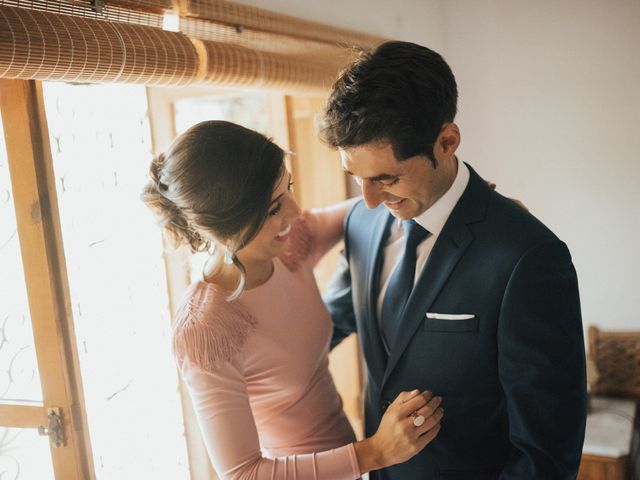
x=22, y=416
x=38, y=222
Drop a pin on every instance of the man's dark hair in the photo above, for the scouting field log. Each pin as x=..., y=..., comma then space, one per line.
x=401, y=94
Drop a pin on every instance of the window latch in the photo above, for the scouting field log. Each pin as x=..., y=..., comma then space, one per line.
x=55, y=429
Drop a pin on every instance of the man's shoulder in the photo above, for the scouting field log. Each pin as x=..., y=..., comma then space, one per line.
x=509, y=233
x=362, y=224
x=361, y=217
x=502, y=219
x=511, y=222
x=360, y=209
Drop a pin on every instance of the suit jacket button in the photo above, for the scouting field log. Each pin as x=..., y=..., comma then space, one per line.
x=384, y=405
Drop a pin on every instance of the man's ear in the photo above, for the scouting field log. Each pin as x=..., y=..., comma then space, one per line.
x=448, y=140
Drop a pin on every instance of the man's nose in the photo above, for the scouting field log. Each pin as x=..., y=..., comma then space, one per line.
x=372, y=194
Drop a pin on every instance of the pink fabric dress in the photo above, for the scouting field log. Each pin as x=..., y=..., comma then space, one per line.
x=257, y=369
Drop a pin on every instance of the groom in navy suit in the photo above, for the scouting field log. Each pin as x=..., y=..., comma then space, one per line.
x=450, y=286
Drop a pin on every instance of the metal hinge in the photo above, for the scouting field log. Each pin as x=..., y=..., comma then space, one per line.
x=55, y=429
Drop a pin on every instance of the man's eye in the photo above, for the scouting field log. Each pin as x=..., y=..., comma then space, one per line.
x=389, y=182
x=275, y=210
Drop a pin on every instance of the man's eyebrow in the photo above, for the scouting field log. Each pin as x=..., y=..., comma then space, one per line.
x=377, y=178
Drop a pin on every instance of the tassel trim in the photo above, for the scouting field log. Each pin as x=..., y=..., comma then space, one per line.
x=209, y=330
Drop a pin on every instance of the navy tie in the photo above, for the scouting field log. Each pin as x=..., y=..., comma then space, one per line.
x=401, y=282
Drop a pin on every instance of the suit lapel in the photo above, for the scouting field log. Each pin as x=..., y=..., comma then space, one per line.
x=450, y=246
x=377, y=360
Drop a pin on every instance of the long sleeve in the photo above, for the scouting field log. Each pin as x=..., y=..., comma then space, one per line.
x=542, y=365
x=328, y=227
x=338, y=301
x=221, y=403
x=337, y=296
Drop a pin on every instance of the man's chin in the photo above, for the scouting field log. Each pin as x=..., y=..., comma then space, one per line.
x=405, y=212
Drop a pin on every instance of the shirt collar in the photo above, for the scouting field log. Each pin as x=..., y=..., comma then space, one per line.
x=434, y=218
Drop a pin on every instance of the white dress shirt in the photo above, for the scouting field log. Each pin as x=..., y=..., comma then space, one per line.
x=433, y=219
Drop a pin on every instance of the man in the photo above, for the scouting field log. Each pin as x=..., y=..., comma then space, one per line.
x=450, y=286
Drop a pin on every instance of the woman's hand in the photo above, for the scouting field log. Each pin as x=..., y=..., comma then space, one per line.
x=398, y=438
x=519, y=203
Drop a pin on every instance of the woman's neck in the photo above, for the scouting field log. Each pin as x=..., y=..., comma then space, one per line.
x=227, y=276
x=258, y=271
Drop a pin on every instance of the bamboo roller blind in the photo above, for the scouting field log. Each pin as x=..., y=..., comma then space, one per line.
x=217, y=42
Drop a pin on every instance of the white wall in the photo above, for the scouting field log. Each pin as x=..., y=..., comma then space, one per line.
x=417, y=21
x=549, y=108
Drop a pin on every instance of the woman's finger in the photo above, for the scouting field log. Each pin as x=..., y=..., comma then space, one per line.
x=520, y=204
x=404, y=397
x=430, y=422
x=411, y=405
x=430, y=408
x=428, y=437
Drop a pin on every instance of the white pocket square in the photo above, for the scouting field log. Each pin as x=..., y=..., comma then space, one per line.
x=449, y=316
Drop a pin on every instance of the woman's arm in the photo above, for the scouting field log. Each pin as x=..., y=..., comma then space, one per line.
x=229, y=431
x=221, y=404
x=328, y=226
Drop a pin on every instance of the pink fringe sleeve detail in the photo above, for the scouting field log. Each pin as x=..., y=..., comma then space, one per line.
x=301, y=241
x=208, y=329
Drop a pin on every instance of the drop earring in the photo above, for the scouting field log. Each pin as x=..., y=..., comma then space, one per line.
x=228, y=256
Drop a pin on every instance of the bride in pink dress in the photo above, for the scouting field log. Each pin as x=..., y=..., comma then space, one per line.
x=252, y=336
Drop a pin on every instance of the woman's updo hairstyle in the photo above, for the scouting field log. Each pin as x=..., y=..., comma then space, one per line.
x=215, y=183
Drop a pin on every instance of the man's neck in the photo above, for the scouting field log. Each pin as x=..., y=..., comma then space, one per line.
x=447, y=171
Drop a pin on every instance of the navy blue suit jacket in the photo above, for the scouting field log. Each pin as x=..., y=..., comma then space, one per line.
x=512, y=378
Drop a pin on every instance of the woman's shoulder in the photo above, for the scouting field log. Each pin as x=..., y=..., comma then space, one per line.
x=209, y=330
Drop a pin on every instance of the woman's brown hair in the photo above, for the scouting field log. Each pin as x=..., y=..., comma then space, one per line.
x=214, y=184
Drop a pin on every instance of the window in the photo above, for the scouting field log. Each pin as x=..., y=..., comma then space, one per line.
x=19, y=375
x=100, y=141
x=101, y=281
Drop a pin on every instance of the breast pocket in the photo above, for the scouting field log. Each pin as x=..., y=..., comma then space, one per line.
x=444, y=322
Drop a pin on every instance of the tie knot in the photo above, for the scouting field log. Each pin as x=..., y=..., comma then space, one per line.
x=414, y=233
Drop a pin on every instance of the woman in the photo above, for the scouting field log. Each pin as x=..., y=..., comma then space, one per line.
x=251, y=337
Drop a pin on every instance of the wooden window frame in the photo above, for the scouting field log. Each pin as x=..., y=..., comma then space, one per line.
x=320, y=181
x=40, y=236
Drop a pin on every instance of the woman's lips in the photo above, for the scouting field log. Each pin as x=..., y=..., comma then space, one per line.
x=284, y=234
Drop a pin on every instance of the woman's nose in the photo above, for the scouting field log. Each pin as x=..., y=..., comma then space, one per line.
x=293, y=210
